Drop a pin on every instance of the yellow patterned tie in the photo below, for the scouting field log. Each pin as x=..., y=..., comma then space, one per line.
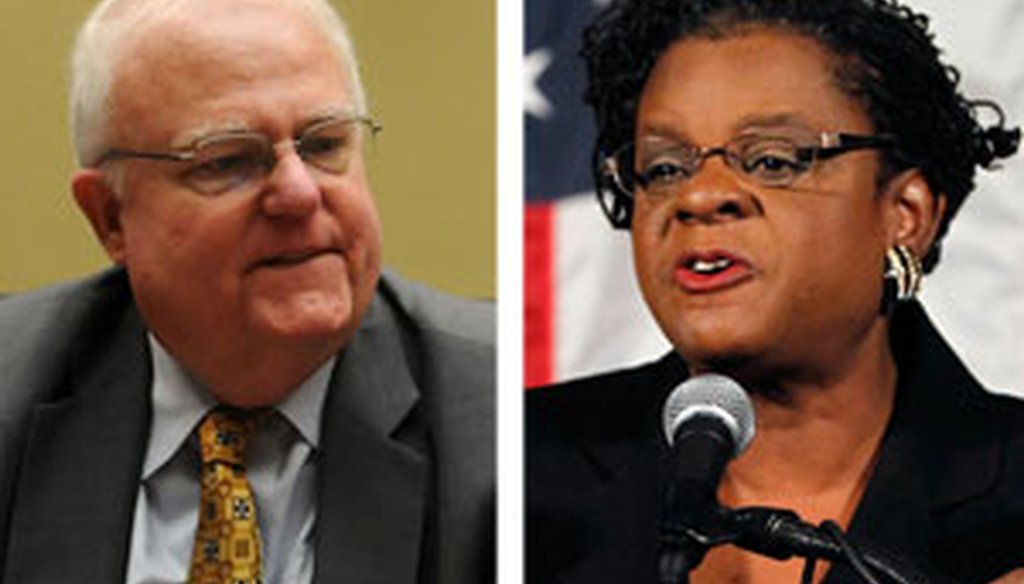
x=227, y=546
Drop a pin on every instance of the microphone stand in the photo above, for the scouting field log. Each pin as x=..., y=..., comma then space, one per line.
x=776, y=533
x=781, y=534
x=681, y=546
x=677, y=555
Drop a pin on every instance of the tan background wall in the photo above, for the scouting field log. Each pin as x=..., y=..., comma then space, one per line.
x=429, y=72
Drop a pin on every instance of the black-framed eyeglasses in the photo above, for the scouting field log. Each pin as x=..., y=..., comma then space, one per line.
x=236, y=160
x=658, y=165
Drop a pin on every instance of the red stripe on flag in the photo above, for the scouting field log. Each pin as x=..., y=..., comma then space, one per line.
x=539, y=296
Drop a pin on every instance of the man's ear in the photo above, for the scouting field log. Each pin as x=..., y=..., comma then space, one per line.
x=102, y=207
x=915, y=211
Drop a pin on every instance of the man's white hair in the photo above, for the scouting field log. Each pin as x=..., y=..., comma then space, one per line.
x=104, y=41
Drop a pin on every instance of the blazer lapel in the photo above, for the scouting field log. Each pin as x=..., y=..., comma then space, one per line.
x=373, y=471
x=894, y=514
x=72, y=510
x=939, y=451
x=601, y=521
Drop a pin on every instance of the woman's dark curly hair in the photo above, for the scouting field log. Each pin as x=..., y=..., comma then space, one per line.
x=886, y=59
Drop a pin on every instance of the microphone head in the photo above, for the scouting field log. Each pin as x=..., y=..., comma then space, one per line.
x=713, y=395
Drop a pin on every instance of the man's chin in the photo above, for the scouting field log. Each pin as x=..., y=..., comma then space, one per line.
x=304, y=317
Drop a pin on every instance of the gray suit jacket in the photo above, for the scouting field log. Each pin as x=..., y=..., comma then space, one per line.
x=406, y=474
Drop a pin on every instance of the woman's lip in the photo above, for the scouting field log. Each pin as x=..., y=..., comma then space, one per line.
x=710, y=271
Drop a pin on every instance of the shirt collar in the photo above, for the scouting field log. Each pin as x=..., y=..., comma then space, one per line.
x=180, y=402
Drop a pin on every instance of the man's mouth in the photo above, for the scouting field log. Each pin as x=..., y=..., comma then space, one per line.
x=293, y=258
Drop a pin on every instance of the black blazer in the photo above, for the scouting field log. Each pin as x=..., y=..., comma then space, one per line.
x=947, y=492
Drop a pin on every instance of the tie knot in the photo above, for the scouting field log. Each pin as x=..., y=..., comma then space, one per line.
x=224, y=432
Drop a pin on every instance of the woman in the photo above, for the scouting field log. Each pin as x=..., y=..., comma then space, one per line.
x=787, y=169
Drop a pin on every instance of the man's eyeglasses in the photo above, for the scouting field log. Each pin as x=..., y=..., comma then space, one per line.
x=230, y=162
x=658, y=166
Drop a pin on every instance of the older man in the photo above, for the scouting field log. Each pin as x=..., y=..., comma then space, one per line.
x=243, y=398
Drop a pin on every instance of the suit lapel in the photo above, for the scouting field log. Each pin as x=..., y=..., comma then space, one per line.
x=72, y=513
x=373, y=471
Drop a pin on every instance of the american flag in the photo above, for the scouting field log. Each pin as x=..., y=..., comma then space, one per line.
x=583, y=310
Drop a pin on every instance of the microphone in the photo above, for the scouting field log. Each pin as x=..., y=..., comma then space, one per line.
x=708, y=419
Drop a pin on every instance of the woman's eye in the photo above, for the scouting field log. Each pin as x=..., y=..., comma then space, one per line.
x=771, y=163
x=773, y=167
x=774, y=163
x=770, y=157
x=662, y=173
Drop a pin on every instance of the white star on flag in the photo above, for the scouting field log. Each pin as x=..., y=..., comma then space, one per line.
x=535, y=103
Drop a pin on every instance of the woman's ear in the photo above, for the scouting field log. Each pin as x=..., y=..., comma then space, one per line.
x=915, y=211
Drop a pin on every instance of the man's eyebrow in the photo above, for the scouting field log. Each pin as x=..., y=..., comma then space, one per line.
x=192, y=136
x=330, y=112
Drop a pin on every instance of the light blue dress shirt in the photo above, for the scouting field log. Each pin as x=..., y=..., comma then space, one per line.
x=281, y=466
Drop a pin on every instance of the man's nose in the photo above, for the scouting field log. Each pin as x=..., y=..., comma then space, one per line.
x=715, y=194
x=291, y=188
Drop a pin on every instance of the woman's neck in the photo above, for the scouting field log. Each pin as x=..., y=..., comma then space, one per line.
x=817, y=441
x=816, y=433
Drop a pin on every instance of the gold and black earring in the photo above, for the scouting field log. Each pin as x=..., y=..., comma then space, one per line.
x=901, y=278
